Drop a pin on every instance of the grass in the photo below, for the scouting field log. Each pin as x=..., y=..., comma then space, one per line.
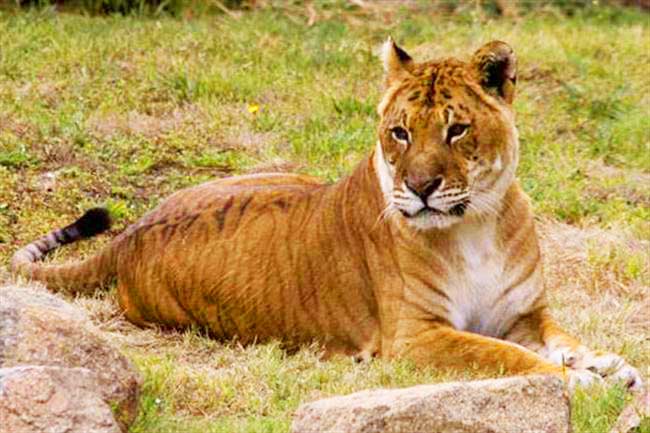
x=122, y=111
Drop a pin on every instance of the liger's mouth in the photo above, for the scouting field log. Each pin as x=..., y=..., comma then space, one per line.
x=456, y=210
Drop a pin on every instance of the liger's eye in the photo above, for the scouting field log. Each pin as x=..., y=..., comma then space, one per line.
x=456, y=130
x=400, y=134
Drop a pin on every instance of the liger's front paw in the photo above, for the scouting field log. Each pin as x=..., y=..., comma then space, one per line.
x=582, y=378
x=612, y=367
x=609, y=366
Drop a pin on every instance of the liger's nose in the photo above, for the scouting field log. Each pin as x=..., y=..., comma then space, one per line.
x=423, y=186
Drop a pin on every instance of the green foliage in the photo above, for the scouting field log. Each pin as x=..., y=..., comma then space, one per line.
x=596, y=411
x=141, y=7
x=461, y=8
x=227, y=160
x=234, y=403
x=644, y=427
x=14, y=158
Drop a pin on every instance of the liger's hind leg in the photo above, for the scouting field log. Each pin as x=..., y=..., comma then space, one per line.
x=131, y=312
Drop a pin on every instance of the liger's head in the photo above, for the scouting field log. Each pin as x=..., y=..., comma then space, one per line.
x=448, y=144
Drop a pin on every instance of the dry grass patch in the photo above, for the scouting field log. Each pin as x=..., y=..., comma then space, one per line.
x=109, y=125
x=275, y=165
x=612, y=183
x=598, y=284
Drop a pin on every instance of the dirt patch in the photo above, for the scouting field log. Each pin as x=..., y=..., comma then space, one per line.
x=22, y=130
x=50, y=93
x=591, y=260
x=639, y=318
x=539, y=74
x=276, y=165
x=134, y=123
x=630, y=193
x=249, y=141
x=600, y=169
x=634, y=185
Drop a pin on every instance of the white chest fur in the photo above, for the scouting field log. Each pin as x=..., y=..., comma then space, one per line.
x=478, y=282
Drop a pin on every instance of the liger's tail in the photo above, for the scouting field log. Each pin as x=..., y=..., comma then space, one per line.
x=75, y=276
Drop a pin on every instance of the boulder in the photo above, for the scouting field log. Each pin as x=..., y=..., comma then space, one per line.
x=528, y=404
x=37, y=399
x=39, y=328
x=634, y=413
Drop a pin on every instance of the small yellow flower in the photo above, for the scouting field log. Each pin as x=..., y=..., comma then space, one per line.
x=253, y=108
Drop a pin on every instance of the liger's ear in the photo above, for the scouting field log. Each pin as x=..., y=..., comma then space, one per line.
x=496, y=67
x=397, y=62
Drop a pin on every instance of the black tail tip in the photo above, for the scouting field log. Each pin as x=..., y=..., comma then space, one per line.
x=95, y=221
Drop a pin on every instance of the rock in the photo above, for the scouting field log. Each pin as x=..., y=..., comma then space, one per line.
x=38, y=328
x=47, y=181
x=37, y=399
x=636, y=411
x=517, y=404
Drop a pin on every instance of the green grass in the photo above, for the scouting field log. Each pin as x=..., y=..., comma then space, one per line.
x=231, y=401
x=124, y=110
x=596, y=410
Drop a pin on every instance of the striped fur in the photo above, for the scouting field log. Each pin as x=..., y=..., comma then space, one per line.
x=371, y=265
x=89, y=274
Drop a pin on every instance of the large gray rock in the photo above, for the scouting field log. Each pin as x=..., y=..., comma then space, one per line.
x=38, y=328
x=37, y=399
x=529, y=404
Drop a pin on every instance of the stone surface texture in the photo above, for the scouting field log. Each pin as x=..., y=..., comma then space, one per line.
x=634, y=413
x=37, y=399
x=526, y=404
x=39, y=328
